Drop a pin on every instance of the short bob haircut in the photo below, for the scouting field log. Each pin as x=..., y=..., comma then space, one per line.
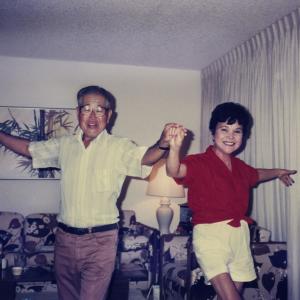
x=97, y=90
x=230, y=113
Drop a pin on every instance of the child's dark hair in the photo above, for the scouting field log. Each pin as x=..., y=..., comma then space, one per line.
x=230, y=113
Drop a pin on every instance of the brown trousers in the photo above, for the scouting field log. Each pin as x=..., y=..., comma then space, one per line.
x=84, y=264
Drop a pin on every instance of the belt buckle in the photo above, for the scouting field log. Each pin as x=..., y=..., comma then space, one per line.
x=90, y=229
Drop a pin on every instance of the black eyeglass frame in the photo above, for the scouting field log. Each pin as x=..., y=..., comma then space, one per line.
x=83, y=112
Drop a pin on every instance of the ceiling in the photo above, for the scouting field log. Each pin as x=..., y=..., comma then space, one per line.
x=182, y=34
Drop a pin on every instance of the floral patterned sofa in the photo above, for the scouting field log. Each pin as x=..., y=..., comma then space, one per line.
x=182, y=278
x=175, y=280
x=38, y=251
x=30, y=241
x=137, y=251
x=11, y=235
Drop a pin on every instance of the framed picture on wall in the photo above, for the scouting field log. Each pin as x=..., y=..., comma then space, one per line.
x=35, y=124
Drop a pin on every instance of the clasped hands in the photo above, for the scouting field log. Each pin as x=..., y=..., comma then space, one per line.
x=172, y=135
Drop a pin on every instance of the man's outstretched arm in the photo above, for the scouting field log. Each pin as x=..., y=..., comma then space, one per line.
x=15, y=144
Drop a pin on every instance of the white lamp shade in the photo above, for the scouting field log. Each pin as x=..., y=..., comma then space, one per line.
x=160, y=184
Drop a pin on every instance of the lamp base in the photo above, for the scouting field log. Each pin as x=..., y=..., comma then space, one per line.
x=164, y=215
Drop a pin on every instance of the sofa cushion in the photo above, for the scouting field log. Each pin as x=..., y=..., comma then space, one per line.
x=132, y=242
x=134, y=264
x=40, y=231
x=134, y=235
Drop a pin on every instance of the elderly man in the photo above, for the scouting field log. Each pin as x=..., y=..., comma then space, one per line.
x=93, y=167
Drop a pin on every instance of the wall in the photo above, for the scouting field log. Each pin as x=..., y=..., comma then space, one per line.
x=147, y=98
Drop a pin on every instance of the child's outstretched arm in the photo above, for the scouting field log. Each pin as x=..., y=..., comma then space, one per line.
x=282, y=174
x=173, y=166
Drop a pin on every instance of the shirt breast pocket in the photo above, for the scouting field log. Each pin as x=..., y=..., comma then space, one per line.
x=103, y=180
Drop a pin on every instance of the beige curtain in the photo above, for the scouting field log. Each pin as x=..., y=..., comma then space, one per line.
x=263, y=74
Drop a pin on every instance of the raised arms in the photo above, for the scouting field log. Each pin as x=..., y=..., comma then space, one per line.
x=15, y=144
x=282, y=174
x=157, y=151
x=173, y=166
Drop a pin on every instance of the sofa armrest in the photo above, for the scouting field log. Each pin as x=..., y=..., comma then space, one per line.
x=137, y=252
x=270, y=260
x=11, y=231
x=173, y=266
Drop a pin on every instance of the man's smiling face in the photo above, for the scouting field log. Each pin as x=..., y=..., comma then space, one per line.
x=93, y=116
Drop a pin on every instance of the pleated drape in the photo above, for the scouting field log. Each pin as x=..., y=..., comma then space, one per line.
x=263, y=74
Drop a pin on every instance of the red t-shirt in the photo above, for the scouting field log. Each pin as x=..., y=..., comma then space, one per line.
x=214, y=192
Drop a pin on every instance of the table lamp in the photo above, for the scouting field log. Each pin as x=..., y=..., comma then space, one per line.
x=164, y=187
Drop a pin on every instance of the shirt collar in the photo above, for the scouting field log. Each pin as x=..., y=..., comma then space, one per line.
x=79, y=134
x=211, y=153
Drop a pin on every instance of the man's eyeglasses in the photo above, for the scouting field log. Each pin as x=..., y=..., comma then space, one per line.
x=98, y=110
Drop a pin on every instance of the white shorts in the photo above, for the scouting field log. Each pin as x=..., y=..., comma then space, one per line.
x=221, y=248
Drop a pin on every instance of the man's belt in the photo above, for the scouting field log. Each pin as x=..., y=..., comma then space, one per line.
x=81, y=231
